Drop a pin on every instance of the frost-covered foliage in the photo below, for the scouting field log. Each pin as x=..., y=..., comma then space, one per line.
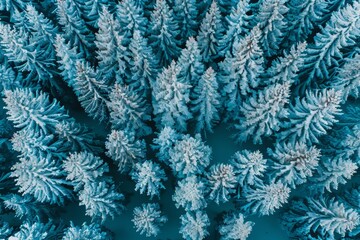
x=222, y=182
x=312, y=116
x=234, y=227
x=332, y=172
x=42, y=177
x=241, y=68
x=86, y=231
x=249, y=167
x=194, y=225
x=33, y=110
x=206, y=102
x=35, y=230
x=294, y=164
x=128, y=110
x=149, y=88
x=101, y=200
x=170, y=98
x=263, y=112
x=189, y=156
x=148, y=219
x=264, y=199
x=125, y=149
x=323, y=217
x=190, y=194
x=164, y=142
x=84, y=168
x=149, y=177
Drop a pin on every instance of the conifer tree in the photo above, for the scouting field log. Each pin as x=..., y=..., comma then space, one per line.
x=322, y=216
x=222, y=182
x=67, y=58
x=311, y=116
x=91, y=91
x=111, y=53
x=206, y=102
x=41, y=177
x=294, y=164
x=74, y=27
x=143, y=65
x=164, y=33
x=128, y=110
x=194, y=225
x=264, y=199
x=272, y=23
x=263, y=113
x=33, y=110
x=131, y=19
x=124, y=149
x=347, y=77
x=341, y=31
x=148, y=219
x=234, y=227
x=170, y=99
x=190, y=63
x=210, y=32
x=186, y=14
x=240, y=69
x=237, y=26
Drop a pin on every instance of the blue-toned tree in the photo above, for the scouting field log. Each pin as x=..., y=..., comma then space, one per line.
x=170, y=99
x=263, y=113
x=148, y=219
x=190, y=194
x=194, y=225
x=322, y=217
x=206, y=102
x=311, y=116
x=128, y=110
x=149, y=178
x=123, y=148
x=234, y=227
x=163, y=36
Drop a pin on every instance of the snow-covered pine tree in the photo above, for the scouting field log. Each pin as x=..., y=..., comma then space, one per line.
x=322, y=216
x=190, y=63
x=264, y=199
x=170, y=99
x=210, y=33
x=311, y=116
x=91, y=91
x=272, y=23
x=234, y=227
x=33, y=110
x=240, y=70
x=111, y=53
x=194, y=225
x=124, y=149
x=222, y=182
x=206, y=102
x=131, y=19
x=263, y=113
x=67, y=58
x=237, y=26
x=149, y=178
x=74, y=28
x=164, y=31
x=148, y=219
x=186, y=14
x=143, y=66
x=128, y=110
x=190, y=194
x=293, y=164
x=43, y=178
x=189, y=156
x=249, y=167
x=340, y=32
